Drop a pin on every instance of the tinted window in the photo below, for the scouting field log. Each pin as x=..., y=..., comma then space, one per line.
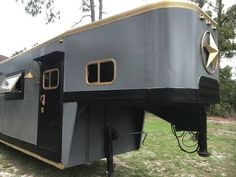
x=54, y=78
x=106, y=71
x=46, y=79
x=101, y=72
x=50, y=79
x=92, y=73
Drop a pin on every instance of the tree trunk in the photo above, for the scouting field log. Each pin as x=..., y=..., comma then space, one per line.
x=219, y=12
x=100, y=9
x=92, y=8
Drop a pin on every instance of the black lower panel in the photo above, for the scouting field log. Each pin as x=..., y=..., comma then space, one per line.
x=180, y=107
x=183, y=116
x=32, y=148
x=167, y=96
x=89, y=141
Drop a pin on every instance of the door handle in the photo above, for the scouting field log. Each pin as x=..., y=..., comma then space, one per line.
x=43, y=99
x=43, y=102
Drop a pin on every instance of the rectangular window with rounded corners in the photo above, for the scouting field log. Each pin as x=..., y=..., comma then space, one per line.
x=101, y=72
x=13, y=86
x=51, y=79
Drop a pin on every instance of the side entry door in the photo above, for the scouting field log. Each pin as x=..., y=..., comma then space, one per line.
x=50, y=103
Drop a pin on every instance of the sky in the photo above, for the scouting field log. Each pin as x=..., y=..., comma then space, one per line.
x=18, y=30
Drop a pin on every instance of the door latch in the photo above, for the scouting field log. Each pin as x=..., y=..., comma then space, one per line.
x=43, y=102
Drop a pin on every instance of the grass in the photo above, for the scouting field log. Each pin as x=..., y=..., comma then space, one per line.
x=160, y=156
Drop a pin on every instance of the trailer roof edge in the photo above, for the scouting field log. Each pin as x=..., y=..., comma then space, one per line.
x=146, y=8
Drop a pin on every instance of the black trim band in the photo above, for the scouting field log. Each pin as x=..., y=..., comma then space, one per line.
x=109, y=95
x=161, y=96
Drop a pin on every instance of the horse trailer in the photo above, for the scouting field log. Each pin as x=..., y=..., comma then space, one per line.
x=82, y=95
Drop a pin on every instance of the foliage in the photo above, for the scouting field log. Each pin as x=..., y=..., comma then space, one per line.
x=226, y=25
x=199, y=2
x=36, y=7
x=227, y=94
x=227, y=29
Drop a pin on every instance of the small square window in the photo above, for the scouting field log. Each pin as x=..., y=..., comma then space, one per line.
x=51, y=79
x=101, y=72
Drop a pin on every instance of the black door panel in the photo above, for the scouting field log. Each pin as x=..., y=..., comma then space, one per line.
x=50, y=101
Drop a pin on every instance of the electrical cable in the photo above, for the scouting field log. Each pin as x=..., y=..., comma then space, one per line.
x=193, y=137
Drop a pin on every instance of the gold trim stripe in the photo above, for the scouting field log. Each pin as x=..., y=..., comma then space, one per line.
x=58, y=165
x=158, y=5
x=140, y=10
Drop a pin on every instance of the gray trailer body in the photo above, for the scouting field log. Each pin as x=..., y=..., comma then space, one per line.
x=157, y=66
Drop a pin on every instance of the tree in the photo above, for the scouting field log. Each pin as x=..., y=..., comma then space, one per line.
x=227, y=32
x=36, y=7
x=227, y=94
x=89, y=6
x=226, y=26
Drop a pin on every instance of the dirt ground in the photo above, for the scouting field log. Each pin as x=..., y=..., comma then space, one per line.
x=222, y=120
